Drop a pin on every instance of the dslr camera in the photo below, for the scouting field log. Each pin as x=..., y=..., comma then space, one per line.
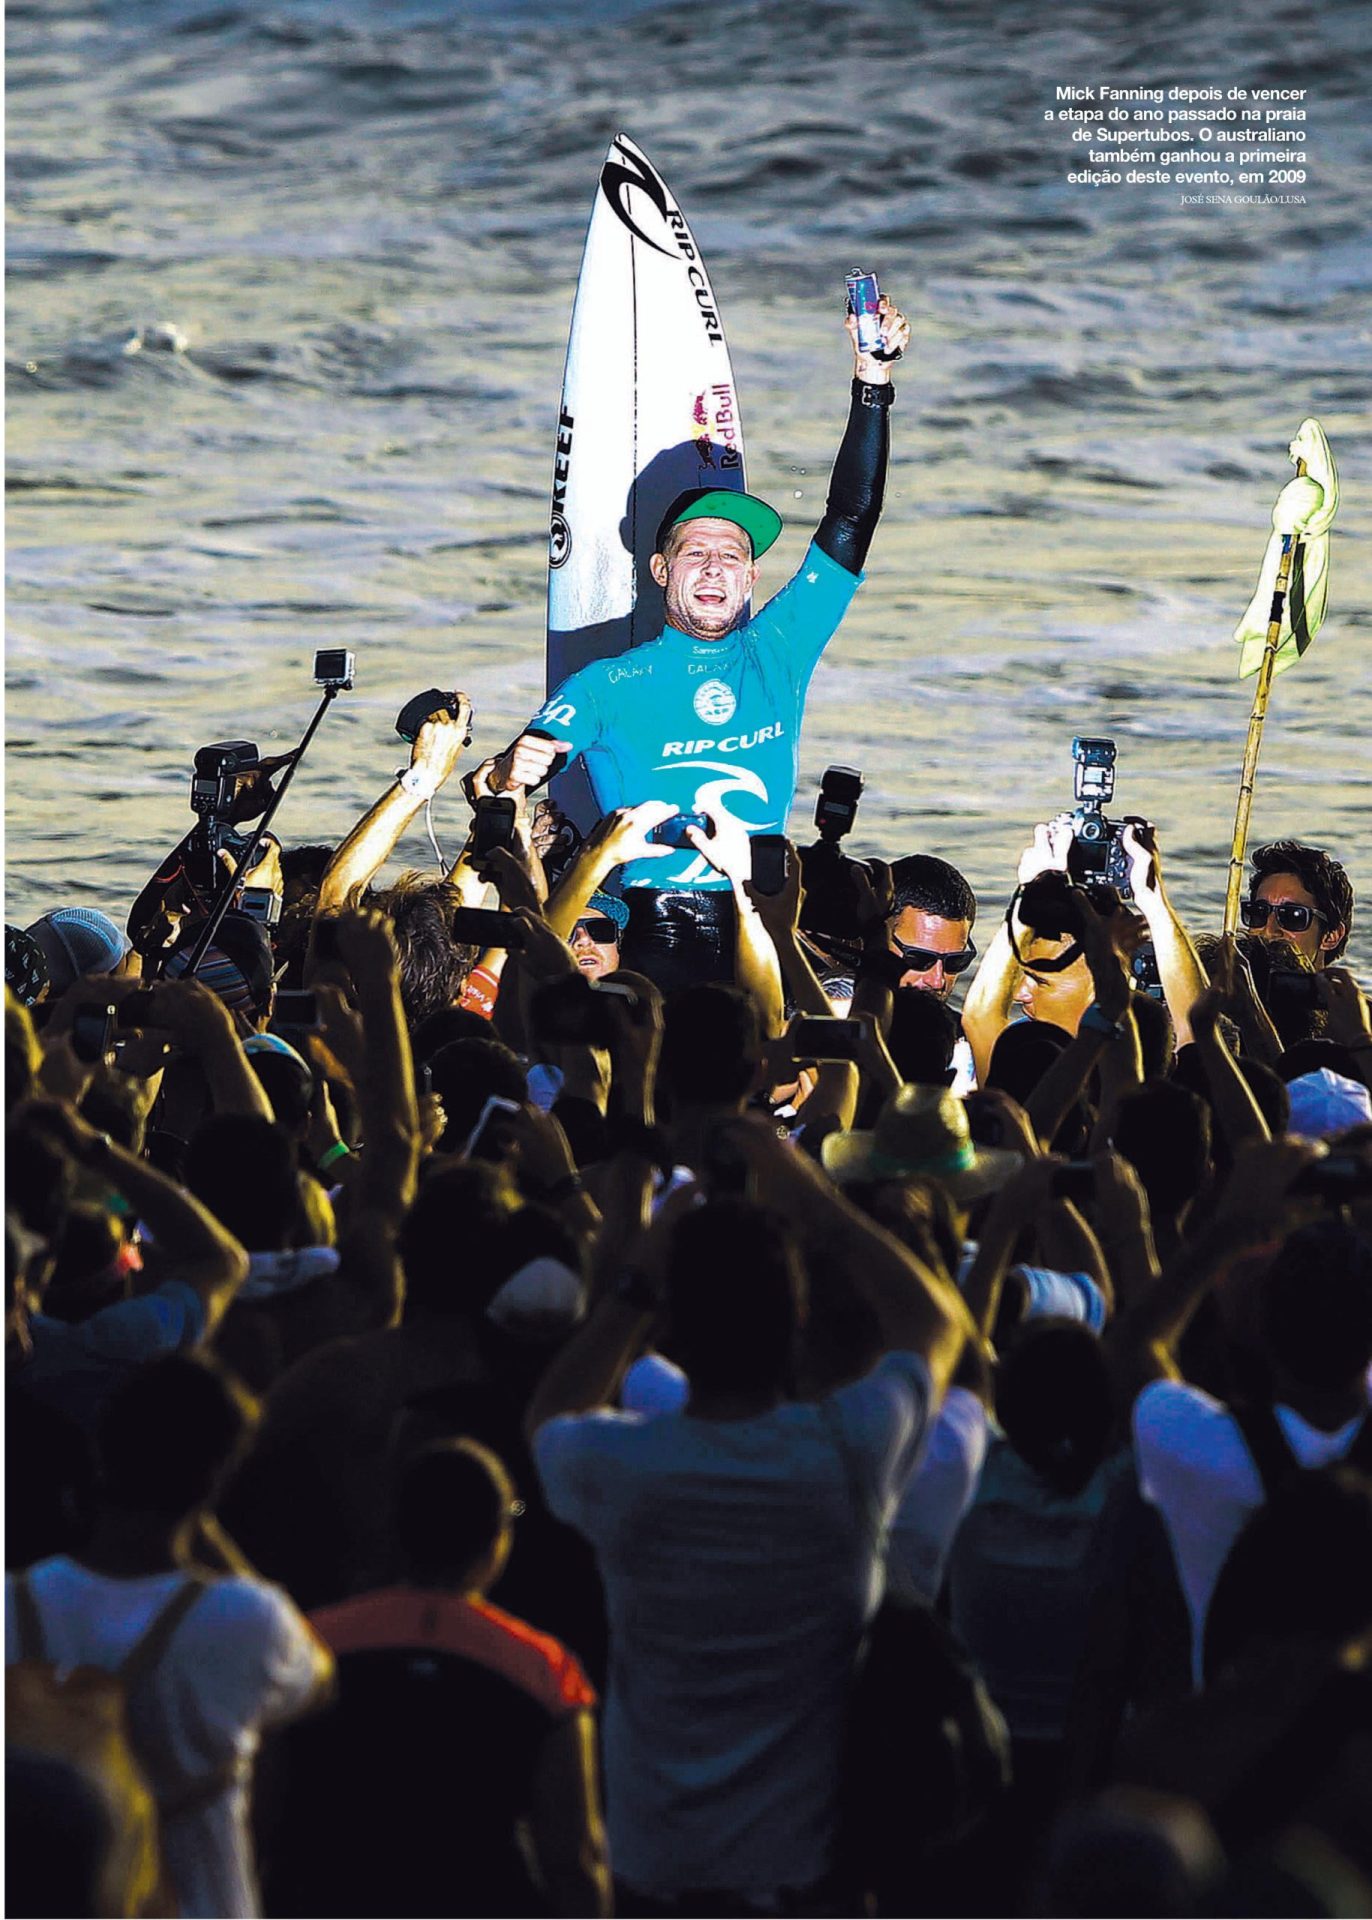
x=1097, y=850
x=214, y=782
x=830, y=906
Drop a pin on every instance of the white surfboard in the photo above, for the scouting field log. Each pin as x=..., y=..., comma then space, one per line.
x=649, y=408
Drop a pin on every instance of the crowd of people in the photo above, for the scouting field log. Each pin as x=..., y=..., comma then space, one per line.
x=607, y=1403
x=785, y=1398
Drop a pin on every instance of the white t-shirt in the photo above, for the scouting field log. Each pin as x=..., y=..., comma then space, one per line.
x=241, y=1658
x=940, y=1490
x=739, y=1573
x=1195, y=1467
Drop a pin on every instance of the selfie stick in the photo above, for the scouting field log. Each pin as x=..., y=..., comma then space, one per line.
x=1256, y=721
x=249, y=855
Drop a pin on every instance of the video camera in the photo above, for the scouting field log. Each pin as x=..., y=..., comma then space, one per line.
x=1097, y=851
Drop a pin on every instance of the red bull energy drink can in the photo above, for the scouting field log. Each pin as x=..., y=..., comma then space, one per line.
x=864, y=297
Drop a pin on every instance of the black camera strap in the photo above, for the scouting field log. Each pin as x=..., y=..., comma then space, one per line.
x=1058, y=963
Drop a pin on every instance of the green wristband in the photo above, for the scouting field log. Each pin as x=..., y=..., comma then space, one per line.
x=340, y=1150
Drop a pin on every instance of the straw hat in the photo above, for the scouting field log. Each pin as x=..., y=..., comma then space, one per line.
x=922, y=1133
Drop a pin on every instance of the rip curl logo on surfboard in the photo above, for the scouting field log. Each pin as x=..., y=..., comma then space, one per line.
x=615, y=181
x=714, y=702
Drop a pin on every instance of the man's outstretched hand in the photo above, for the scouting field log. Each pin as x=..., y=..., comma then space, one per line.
x=527, y=763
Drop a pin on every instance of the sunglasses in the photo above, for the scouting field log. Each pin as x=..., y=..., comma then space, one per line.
x=601, y=929
x=1292, y=917
x=921, y=959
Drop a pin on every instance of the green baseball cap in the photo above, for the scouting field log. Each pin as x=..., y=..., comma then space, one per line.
x=761, y=523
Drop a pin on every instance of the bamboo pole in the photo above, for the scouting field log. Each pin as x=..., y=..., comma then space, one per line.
x=1256, y=721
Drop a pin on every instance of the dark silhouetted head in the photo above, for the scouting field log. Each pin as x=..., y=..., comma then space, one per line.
x=168, y=1436
x=1316, y=1306
x=1164, y=1133
x=736, y=1297
x=711, y=1044
x=454, y=1503
x=1054, y=1402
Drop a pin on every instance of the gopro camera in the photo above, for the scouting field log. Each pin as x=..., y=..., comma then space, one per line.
x=216, y=774
x=334, y=667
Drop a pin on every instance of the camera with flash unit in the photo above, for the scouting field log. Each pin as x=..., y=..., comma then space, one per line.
x=1097, y=851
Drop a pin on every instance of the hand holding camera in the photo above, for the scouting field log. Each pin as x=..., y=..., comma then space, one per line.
x=628, y=833
x=438, y=737
x=724, y=842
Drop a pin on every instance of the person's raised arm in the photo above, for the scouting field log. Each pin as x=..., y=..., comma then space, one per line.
x=1179, y=968
x=197, y=1250
x=1143, y=1338
x=433, y=755
x=1236, y=1109
x=199, y=1023
x=917, y=1309
x=729, y=850
x=1108, y=1021
x=628, y=1299
x=385, y=1084
x=857, y=485
x=616, y=838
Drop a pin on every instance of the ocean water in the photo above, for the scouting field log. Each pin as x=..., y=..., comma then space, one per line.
x=289, y=288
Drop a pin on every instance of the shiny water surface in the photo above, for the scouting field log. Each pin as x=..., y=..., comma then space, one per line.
x=289, y=288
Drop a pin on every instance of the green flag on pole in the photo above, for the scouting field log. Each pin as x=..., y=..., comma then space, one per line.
x=1304, y=511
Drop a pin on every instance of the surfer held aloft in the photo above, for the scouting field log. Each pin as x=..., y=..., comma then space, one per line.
x=707, y=716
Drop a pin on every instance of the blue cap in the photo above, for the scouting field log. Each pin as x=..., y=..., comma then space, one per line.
x=612, y=908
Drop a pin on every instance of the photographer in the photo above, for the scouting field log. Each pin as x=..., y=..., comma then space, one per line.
x=1062, y=996
x=231, y=786
x=1002, y=983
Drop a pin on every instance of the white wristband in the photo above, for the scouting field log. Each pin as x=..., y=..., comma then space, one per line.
x=418, y=782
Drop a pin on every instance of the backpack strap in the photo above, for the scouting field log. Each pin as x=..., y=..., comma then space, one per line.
x=1267, y=1445
x=139, y=1664
x=29, y=1620
x=147, y=1651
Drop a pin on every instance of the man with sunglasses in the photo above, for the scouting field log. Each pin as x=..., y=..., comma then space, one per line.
x=930, y=923
x=595, y=938
x=1302, y=896
x=929, y=929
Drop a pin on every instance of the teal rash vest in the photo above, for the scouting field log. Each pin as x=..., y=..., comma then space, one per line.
x=704, y=722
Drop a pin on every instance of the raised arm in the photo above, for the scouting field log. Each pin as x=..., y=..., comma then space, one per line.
x=1239, y=1115
x=917, y=1309
x=756, y=969
x=433, y=755
x=1179, y=968
x=857, y=485
x=1144, y=1338
x=195, y=1247
x=615, y=838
